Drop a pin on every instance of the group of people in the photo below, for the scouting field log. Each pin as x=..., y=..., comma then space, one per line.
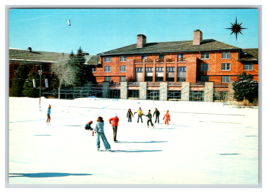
x=114, y=121
x=156, y=113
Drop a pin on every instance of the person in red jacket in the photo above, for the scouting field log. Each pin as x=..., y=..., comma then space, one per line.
x=114, y=121
x=168, y=118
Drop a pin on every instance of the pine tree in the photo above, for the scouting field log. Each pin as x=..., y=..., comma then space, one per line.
x=245, y=88
x=28, y=89
x=18, y=80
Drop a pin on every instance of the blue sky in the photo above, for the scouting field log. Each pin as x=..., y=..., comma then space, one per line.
x=100, y=30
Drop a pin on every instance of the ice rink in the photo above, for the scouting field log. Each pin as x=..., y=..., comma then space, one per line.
x=202, y=145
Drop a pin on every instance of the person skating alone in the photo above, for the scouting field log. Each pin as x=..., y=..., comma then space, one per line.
x=88, y=125
x=48, y=115
x=99, y=130
x=140, y=113
x=168, y=118
x=114, y=121
x=149, y=119
x=157, y=113
x=129, y=115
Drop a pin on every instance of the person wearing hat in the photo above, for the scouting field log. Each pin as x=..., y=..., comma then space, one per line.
x=114, y=121
x=88, y=125
x=168, y=118
x=149, y=116
x=140, y=113
x=48, y=115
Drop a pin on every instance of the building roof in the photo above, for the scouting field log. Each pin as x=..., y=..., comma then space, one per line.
x=176, y=46
x=93, y=60
x=249, y=54
x=36, y=56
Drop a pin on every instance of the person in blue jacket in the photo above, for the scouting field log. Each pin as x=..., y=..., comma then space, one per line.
x=48, y=115
x=99, y=130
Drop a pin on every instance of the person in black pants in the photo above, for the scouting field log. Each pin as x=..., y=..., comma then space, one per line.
x=149, y=119
x=157, y=113
x=129, y=115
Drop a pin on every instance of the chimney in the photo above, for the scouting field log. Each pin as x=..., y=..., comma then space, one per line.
x=197, y=37
x=141, y=41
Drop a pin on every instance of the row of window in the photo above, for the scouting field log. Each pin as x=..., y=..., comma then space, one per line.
x=122, y=78
x=204, y=55
x=224, y=78
x=204, y=67
x=226, y=67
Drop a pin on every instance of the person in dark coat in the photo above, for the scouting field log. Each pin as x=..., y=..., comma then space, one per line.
x=157, y=113
x=88, y=125
x=149, y=119
x=129, y=115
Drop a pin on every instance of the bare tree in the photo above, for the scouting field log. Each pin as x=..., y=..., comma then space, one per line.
x=65, y=72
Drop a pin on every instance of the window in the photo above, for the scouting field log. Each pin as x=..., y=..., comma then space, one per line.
x=138, y=69
x=196, y=96
x=226, y=66
x=181, y=69
x=107, y=69
x=107, y=78
x=133, y=93
x=123, y=58
x=225, y=78
x=108, y=59
x=205, y=55
x=170, y=69
x=204, y=78
x=159, y=69
x=248, y=66
x=180, y=57
x=161, y=56
x=93, y=69
x=226, y=55
x=123, y=78
x=152, y=95
x=205, y=67
x=149, y=69
x=144, y=57
x=122, y=68
x=174, y=94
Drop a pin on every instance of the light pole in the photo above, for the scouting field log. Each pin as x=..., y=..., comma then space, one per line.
x=40, y=73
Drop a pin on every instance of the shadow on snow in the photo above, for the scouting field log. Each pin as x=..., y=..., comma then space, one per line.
x=132, y=151
x=44, y=175
x=142, y=142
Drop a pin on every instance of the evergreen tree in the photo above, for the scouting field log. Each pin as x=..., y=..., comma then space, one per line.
x=28, y=89
x=245, y=88
x=18, y=80
x=78, y=61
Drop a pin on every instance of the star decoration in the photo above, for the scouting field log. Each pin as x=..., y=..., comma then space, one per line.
x=236, y=28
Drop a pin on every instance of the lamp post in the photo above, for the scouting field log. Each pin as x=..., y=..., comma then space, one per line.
x=40, y=73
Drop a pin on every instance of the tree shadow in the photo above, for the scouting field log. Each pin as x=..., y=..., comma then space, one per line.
x=44, y=175
x=132, y=151
x=142, y=142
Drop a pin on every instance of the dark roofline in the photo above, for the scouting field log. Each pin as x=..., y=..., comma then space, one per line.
x=167, y=52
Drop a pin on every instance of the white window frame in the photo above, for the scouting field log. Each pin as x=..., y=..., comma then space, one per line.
x=124, y=78
x=144, y=57
x=123, y=68
x=181, y=69
x=205, y=55
x=224, y=77
x=107, y=70
x=139, y=69
x=228, y=55
x=107, y=58
x=108, y=78
x=248, y=64
x=123, y=58
x=170, y=69
x=226, y=67
x=159, y=69
x=205, y=67
x=149, y=69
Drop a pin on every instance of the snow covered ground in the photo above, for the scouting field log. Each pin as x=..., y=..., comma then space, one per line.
x=205, y=143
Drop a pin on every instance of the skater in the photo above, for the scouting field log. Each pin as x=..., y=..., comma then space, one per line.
x=88, y=125
x=48, y=115
x=99, y=130
x=149, y=119
x=140, y=113
x=157, y=113
x=114, y=121
x=168, y=118
x=129, y=115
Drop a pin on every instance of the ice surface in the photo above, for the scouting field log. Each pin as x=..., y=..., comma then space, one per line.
x=204, y=144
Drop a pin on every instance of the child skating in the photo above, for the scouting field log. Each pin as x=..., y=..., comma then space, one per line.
x=167, y=118
x=88, y=125
x=149, y=119
x=48, y=115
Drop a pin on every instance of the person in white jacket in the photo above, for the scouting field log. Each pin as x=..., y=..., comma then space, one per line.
x=99, y=130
